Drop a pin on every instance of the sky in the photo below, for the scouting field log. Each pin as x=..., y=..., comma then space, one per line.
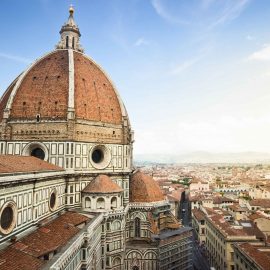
x=194, y=74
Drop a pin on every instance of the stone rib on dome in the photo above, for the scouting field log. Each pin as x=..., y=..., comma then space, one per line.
x=102, y=184
x=143, y=188
x=95, y=96
x=44, y=90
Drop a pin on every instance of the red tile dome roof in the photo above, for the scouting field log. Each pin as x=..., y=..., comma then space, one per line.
x=58, y=81
x=143, y=188
x=102, y=184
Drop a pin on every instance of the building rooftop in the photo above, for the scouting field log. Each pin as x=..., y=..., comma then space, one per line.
x=258, y=254
x=198, y=214
x=51, y=237
x=25, y=164
x=143, y=188
x=102, y=184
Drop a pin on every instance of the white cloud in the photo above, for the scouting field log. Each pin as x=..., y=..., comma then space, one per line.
x=141, y=41
x=15, y=58
x=165, y=14
x=224, y=134
x=261, y=55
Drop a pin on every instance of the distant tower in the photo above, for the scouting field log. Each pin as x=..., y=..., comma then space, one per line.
x=70, y=34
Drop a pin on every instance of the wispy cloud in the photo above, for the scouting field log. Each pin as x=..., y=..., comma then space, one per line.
x=178, y=69
x=15, y=58
x=261, y=55
x=210, y=13
x=165, y=14
x=140, y=42
x=231, y=11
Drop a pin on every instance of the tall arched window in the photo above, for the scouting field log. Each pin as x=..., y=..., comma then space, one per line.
x=137, y=222
x=113, y=202
x=87, y=202
x=67, y=42
x=73, y=43
x=100, y=203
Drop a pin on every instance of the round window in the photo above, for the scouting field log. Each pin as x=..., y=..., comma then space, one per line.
x=53, y=200
x=38, y=153
x=97, y=156
x=7, y=218
x=100, y=156
x=8, y=215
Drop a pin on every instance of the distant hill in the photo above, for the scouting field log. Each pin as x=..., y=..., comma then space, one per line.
x=204, y=157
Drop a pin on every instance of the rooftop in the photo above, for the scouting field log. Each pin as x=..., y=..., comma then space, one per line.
x=22, y=164
x=102, y=184
x=51, y=237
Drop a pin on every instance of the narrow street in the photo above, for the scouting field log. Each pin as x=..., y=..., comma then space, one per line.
x=199, y=260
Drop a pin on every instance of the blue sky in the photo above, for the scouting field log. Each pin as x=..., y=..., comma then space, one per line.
x=193, y=74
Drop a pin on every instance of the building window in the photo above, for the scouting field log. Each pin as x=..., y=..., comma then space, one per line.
x=73, y=43
x=137, y=222
x=38, y=153
x=100, y=203
x=67, y=42
x=87, y=202
x=97, y=156
x=8, y=217
x=113, y=202
x=52, y=201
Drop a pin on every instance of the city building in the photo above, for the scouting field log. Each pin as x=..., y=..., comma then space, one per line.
x=253, y=257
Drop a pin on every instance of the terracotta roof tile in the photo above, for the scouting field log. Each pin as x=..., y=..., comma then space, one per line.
x=199, y=215
x=47, y=81
x=25, y=254
x=265, y=203
x=143, y=188
x=259, y=254
x=16, y=164
x=12, y=258
x=95, y=96
x=102, y=184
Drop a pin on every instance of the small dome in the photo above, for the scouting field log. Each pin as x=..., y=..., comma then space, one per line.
x=143, y=188
x=102, y=184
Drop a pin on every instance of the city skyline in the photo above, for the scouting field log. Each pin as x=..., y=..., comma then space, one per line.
x=193, y=74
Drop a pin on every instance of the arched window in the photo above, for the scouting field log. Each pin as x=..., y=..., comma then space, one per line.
x=113, y=202
x=135, y=268
x=38, y=153
x=87, y=202
x=67, y=42
x=73, y=43
x=137, y=222
x=100, y=203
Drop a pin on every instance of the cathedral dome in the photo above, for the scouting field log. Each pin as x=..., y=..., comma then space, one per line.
x=62, y=81
x=68, y=94
x=143, y=188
